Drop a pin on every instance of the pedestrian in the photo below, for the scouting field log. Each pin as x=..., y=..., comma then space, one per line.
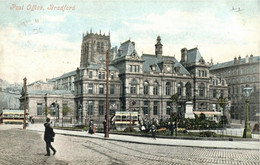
x=91, y=127
x=49, y=137
x=153, y=130
x=105, y=125
x=171, y=127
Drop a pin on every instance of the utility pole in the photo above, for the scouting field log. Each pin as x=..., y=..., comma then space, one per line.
x=25, y=103
x=107, y=70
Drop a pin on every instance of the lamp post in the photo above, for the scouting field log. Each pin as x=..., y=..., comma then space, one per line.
x=247, y=133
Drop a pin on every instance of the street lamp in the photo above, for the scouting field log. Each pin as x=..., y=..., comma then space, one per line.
x=247, y=133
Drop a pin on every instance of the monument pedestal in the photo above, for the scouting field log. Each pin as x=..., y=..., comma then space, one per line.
x=189, y=112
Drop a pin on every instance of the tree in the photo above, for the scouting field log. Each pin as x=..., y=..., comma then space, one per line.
x=65, y=111
x=46, y=111
x=222, y=101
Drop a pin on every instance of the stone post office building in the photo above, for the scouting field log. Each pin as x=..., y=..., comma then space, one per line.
x=137, y=82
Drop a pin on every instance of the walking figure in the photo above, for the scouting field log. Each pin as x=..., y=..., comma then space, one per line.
x=91, y=127
x=153, y=130
x=49, y=137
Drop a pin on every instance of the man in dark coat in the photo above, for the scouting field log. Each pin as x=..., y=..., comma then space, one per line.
x=49, y=137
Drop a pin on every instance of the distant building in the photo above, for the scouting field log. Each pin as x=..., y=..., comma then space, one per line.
x=140, y=83
x=239, y=73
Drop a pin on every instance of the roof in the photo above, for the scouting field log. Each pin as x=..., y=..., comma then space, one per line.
x=68, y=74
x=126, y=49
x=231, y=63
x=153, y=60
x=97, y=66
x=193, y=56
x=54, y=92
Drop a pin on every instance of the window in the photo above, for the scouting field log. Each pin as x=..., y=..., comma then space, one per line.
x=146, y=88
x=214, y=93
x=39, y=108
x=202, y=73
x=254, y=87
x=222, y=82
x=134, y=68
x=168, y=108
x=99, y=75
x=155, y=107
x=247, y=79
x=112, y=89
x=242, y=70
x=101, y=107
x=202, y=90
x=222, y=93
x=254, y=69
x=179, y=89
x=90, y=74
x=101, y=89
x=145, y=108
x=242, y=80
x=254, y=79
x=155, y=88
x=90, y=107
x=112, y=76
x=90, y=88
x=248, y=70
x=242, y=88
x=168, y=88
x=98, y=47
x=103, y=75
x=102, y=47
x=133, y=85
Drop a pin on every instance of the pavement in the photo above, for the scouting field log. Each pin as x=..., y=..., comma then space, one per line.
x=212, y=144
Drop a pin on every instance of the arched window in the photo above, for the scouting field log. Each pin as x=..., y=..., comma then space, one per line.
x=155, y=88
x=188, y=91
x=202, y=90
x=146, y=88
x=168, y=88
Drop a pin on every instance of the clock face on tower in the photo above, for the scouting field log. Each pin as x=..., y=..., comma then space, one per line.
x=99, y=59
x=168, y=68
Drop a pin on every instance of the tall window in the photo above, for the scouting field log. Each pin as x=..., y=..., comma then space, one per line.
x=98, y=47
x=242, y=80
x=254, y=79
x=90, y=107
x=146, y=88
x=112, y=89
x=155, y=88
x=102, y=47
x=133, y=85
x=254, y=87
x=168, y=108
x=254, y=69
x=90, y=74
x=222, y=93
x=134, y=68
x=214, y=93
x=90, y=88
x=168, y=88
x=202, y=90
x=103, y=75
x=145, y=108
x=101, y=89
x=99, y=75
x=247, y=79
x=39, y=108
x=242, y=70
x=155, y=107
x=179, y=89
x=101, y=105
x=112, y=76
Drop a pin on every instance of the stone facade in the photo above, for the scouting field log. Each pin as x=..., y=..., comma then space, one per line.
x=239, y=73
x=140, y=83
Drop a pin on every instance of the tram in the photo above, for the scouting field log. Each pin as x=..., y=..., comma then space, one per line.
x=125, y=118
x=13, y=116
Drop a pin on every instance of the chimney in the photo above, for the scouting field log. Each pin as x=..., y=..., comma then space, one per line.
x=246, y=59
x=184, y=55
x=251, y=58
x=239, y=59
x=235, y=60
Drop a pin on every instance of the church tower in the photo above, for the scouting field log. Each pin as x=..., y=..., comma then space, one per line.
x=158, y=48
x=94, y=48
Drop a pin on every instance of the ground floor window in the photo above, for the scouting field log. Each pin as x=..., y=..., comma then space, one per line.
x=39, y=108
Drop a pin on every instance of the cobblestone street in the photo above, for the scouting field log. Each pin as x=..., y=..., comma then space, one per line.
x=27, y=147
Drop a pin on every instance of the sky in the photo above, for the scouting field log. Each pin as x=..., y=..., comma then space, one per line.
x=44, y=43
